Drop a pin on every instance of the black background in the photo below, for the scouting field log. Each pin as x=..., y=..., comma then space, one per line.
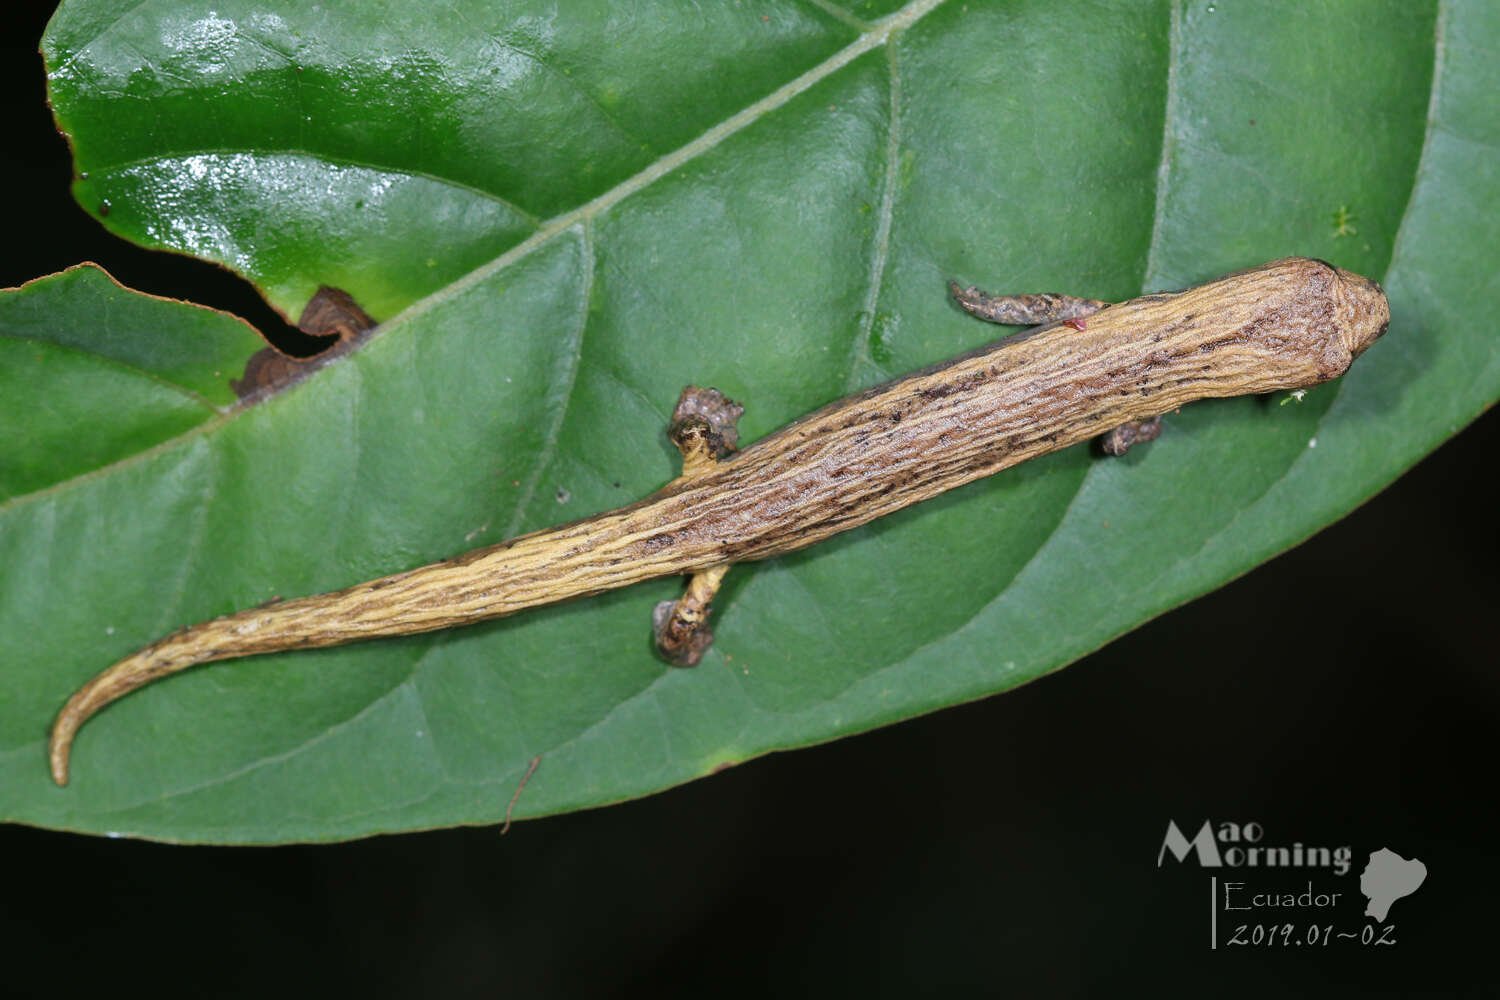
x=1343, y=694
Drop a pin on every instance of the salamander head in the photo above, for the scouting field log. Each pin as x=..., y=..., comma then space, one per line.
x=1367, y=313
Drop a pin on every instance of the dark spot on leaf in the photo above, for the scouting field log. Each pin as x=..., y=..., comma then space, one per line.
x=104, y=208
x=268, y=370
x=331, y=313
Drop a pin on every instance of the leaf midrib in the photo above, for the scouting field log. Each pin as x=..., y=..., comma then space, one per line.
x=878, y=34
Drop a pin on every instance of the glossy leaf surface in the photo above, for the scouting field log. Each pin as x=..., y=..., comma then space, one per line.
x=765, y=198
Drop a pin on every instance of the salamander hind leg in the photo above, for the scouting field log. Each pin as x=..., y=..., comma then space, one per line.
x=704, y=428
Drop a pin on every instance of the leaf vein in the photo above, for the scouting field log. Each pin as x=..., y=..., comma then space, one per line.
x=573, y=355
x=1164, y=166
x=860, y=349
x=175, y=387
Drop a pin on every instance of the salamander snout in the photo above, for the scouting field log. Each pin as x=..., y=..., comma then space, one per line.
x=1367, y=314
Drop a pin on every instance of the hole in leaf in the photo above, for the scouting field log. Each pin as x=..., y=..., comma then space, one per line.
x=59, y=233
x=332, y=320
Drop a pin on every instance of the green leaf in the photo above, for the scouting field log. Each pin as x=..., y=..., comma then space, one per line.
x=389, y=153
x=94, y=373
x=563, y=216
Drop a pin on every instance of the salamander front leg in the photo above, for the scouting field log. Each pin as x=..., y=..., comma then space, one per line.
x=1048, y=307
x=704, y=429
x=1022, y=310
x=1118, y=441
